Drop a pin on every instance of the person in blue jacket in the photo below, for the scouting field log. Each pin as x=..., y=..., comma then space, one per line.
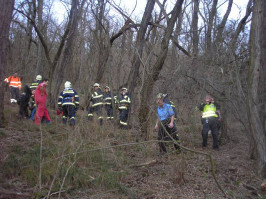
x=165, y=122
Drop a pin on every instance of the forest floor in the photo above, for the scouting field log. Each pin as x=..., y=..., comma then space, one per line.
x=75, y=165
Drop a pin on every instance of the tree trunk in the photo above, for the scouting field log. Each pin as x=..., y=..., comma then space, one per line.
x=210, y=28
x=194, y=24
x=134, y=71
x=220, y=28
x=103, y=42
x=155, y=71
x=52, y=64
x=67, y=60
x=256, y=83
x=40, y=48
x=240, y=26
x=6, y=10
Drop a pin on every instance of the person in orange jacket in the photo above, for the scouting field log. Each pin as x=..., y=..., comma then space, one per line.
x=15, y=86
x=41, y=98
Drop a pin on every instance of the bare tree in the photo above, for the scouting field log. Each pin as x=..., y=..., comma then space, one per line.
x=68, y=53
x=134, y=72
x=195, y=34
x=212, y=15
x=221, y=26
x=256, y=83
x=52, y=63
x=40, y=26
x=241, y=25
x=6, y=10
x=155, y=71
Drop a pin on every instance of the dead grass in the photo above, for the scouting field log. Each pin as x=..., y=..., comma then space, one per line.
x=71, y=170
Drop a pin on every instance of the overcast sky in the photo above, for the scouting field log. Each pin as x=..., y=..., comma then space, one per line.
x=238, y=8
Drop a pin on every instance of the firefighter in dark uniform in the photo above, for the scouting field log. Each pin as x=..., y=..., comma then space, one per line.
x=36, y=82
x=96, y=100
x=210, y=113
x=123, y=106
x=33, y=88
x=68, y=102
x=107, y=99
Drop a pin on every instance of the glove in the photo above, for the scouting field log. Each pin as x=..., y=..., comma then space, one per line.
x=58, y=112
x=60, y=108
x=76, y=108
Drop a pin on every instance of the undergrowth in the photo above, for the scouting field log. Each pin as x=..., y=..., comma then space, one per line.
x=75, y=159
x=63, y=165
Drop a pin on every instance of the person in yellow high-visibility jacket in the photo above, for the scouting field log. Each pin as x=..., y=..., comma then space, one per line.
x=210, y=113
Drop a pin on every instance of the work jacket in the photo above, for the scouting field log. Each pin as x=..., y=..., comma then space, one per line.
x=209, y=110
x=68, y=97
x=40, y=94
x=13, y=81
x=124, y=102
x=97, y=98
x=34, y=84
x=107, y=98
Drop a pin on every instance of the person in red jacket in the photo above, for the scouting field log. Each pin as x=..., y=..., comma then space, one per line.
x=41, y=98
x=15, y=86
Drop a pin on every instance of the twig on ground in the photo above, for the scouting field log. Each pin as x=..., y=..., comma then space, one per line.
x=198, y=152
x=145, y=164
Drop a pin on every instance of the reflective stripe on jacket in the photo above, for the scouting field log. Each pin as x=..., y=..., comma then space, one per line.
x=107, y=98
x=209, y=110
x=68, y=97
x=124, y=102
x=13, y=81
x=97, y=98
x=34, y=84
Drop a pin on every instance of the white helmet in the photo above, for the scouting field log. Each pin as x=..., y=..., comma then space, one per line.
x=67, y=84
x=96, y=85
x=39, y=77
x=124, y=89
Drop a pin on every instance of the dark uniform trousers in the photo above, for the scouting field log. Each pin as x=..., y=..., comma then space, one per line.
x=14, y=92
x=210, y=123
x=69, y=111
x=109, y=111
x=123, y=118
x=162, y=135
x=98, y=111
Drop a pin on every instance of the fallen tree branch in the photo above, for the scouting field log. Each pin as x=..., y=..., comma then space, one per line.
x=17, y=194
x=145, y=164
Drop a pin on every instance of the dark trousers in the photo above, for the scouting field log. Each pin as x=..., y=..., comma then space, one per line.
x=23, y=110
x=98, y=111
x=210, y=124
x=14, y=91
x=69, y=112
x=162, y=135
x=123, y=118
x=109, y=111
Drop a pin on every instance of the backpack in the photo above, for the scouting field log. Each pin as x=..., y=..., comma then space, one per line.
x=171, y=103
